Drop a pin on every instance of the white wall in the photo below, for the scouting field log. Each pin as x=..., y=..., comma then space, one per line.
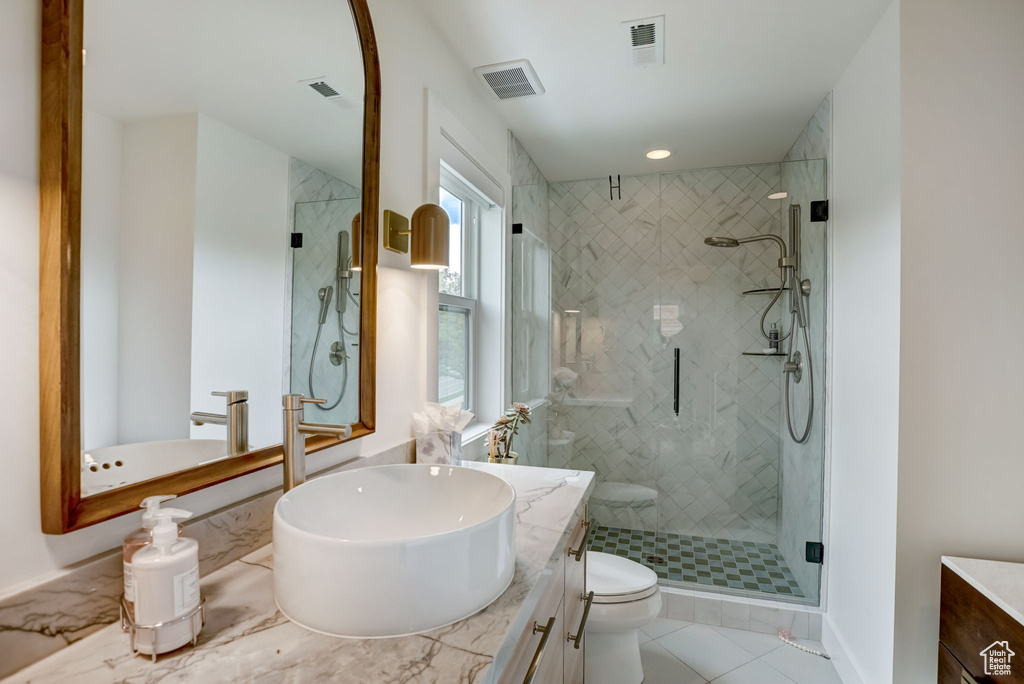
x=961, y=467
x=413, y=57
x=158, y=182
x=101, y=228
x=865, y=359
x=238, y=286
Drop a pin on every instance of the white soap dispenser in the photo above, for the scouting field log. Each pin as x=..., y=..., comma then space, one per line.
x=135, y=541
x=166, y=577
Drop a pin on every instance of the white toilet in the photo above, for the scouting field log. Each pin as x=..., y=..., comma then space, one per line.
x=626, y=597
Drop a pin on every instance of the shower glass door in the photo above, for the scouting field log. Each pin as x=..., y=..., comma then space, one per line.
x=716, y=495
x=738, y=497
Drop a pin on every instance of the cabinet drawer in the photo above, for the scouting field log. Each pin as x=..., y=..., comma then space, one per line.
x=576, y=569
x=969, y=623
x=574, y=656
x=550, y=606
x=575, y=599
x=533, y=646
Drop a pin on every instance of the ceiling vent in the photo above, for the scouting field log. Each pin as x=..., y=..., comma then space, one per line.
x=646, y=41
x=511, y=79
x=330, y=92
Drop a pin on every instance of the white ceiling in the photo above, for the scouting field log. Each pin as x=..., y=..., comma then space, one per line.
x=741, y=77
x=238, y=61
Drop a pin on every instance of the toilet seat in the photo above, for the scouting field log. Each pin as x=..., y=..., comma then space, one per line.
x=615, y=579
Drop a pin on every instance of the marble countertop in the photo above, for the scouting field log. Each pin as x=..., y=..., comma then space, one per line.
x=999, y=581
x=246, y=639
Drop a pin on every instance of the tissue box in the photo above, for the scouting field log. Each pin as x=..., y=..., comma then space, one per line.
x=439, y=448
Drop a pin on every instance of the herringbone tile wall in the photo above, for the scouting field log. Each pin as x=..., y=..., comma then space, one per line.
x=645, y=283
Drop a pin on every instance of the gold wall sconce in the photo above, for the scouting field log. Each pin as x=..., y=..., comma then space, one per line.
x=425, y=239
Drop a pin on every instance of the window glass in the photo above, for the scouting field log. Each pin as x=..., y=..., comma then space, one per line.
x=451, y=279
x=453, y=355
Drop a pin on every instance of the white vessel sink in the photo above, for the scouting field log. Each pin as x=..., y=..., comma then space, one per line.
x=393, y=550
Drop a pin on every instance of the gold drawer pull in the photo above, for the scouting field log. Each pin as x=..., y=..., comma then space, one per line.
x=578, y=639
x=546, y=631
x=578, y=553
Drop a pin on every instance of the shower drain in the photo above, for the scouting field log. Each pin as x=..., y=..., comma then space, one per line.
x=655, y=560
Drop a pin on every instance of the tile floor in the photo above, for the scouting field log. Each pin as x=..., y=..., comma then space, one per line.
x=677, y=652
x=702, y=560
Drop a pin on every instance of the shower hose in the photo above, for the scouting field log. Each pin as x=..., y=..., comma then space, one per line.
x=810, y=375
x=312, y=359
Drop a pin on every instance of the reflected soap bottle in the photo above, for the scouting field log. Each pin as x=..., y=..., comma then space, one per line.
x=773, y=337
x=137, y=540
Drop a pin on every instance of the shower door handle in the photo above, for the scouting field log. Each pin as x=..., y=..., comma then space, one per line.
x=675, y=382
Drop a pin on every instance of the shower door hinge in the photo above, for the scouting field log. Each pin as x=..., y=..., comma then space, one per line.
x=296, y=240
x=815, y=552
x=517, y=228
x=819, y=211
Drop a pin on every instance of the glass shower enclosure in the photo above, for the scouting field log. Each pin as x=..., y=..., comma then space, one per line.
x=641, y=348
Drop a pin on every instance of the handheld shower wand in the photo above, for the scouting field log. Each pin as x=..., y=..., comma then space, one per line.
x=325, y=302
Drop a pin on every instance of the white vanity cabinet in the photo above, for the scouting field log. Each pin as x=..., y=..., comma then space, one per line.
x=548, y=651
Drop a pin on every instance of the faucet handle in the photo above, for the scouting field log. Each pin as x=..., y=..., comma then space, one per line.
x=291, y=402
x=233, y=396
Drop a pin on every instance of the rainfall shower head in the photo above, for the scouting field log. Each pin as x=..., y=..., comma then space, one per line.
x=722, y=242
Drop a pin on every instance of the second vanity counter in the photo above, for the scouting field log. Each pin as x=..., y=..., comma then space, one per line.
x=246, y=639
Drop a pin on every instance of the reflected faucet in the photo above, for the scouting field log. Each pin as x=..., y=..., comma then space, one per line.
x=295, y=431
x=235, y=417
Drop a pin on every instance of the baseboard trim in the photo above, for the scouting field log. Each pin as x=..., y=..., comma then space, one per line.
x=835, y=646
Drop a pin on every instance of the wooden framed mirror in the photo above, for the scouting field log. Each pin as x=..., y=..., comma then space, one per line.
x=183, y=172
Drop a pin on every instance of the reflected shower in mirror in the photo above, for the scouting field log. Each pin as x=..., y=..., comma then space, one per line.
x=222, y=163
x=325, y=305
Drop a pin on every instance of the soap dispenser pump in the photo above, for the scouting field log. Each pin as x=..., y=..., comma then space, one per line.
x=166, y=574
x=138, y=539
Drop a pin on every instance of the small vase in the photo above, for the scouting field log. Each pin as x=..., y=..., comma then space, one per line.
x=511, y=459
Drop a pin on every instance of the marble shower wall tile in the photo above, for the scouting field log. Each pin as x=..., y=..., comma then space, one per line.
x=46, y=617
x=638, y=270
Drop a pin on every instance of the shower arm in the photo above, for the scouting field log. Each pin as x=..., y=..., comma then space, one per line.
x=785, y=262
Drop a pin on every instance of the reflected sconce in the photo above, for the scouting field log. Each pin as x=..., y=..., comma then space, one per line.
x=425, y=239
x=357, y=243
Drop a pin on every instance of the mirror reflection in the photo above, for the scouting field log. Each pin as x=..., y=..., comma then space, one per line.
x=221, y=195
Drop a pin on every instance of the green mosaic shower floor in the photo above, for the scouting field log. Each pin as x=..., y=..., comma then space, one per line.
x=712, y=562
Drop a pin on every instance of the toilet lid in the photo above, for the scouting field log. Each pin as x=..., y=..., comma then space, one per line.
x=610, y=575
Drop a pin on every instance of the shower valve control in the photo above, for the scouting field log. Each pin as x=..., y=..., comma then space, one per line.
x=795, y=367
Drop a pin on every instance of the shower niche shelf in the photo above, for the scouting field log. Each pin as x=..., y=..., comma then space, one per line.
x=759, y=353
x=764, y=291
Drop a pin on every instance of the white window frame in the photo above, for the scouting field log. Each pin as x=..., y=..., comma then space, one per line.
x=472, y=205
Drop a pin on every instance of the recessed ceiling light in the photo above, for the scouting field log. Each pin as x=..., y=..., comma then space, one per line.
x=658, y=154
x=778, y=195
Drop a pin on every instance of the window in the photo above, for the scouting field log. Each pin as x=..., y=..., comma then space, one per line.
x=458, y=294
